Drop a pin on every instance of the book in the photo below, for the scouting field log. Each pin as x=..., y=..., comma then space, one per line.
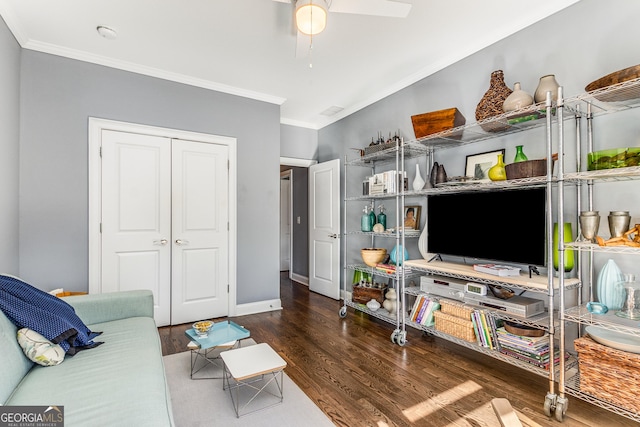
x=497, y=269
x=423, y=310
x=416, y=308
x=421, y=301
x=428, y=319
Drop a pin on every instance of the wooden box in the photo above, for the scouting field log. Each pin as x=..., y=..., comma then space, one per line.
x=436, y=121
x=363, y=294
x=609, y=374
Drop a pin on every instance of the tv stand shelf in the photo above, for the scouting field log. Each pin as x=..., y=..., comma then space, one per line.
x=466, y=272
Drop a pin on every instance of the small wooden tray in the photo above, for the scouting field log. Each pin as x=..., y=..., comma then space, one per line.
x=621, y=76
x=523, y=331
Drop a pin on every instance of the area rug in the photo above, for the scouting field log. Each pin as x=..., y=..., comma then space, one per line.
x=203, y=402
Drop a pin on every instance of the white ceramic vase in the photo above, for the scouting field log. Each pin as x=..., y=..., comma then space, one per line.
x=390, y=304
x=422, y=243
x=610, y=286
x=517, y=100
x=418, y=181
x=547, y=83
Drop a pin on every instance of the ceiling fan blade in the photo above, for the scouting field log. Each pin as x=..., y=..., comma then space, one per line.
x=394, y=9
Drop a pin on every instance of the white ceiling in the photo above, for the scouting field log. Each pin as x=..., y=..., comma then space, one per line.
x=247, y=47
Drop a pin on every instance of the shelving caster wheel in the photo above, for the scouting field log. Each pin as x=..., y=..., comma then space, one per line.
x=401, y=338
x=394, y=335
x=561, y=408
x=549, y=404
x=343, y=312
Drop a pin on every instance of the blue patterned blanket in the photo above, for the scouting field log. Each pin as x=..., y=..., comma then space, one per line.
x=50, y=316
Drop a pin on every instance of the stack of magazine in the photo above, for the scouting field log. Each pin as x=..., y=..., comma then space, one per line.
x=534, y=350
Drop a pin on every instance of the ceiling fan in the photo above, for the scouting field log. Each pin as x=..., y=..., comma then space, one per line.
x=310, y=16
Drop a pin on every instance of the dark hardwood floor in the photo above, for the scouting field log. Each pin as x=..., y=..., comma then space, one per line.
x=353, y=372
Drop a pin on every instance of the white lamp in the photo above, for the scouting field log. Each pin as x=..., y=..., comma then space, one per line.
x=311, y=16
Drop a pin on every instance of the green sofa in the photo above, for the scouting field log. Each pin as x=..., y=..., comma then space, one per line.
x=121, y=382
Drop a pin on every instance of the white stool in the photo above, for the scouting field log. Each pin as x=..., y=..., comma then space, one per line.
x=253, y=368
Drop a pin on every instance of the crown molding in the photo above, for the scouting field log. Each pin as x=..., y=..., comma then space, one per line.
x=150, y=71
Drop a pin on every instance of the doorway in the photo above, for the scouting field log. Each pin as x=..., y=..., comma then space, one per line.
x=165, y=204
x=298, y=216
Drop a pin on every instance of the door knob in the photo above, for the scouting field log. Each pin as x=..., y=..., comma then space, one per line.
x=181, y=242
x=160, y=242
x=334, y=236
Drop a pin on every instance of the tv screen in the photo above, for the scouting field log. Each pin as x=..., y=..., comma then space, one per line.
x=504, y=226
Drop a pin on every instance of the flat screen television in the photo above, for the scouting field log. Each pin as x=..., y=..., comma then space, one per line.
x=502, y=226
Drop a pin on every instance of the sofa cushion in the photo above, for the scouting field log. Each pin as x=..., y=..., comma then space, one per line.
x=39, y=349
x=13, y=364
x=108, y=385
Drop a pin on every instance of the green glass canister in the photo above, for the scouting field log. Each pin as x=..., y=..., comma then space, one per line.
x=372, y=217
x=520, y=156
x=568, y=253
x=497, y=171
x=365, y=221
x=382, y=217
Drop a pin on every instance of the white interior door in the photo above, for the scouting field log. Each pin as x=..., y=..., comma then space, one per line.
x=136, y=216
x=324, y=228
x=165, y=223
x=200, y=238
x=285, y=221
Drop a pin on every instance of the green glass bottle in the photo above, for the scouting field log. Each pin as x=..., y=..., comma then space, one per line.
x=365, y=222
x=382, y=217
x=520, y=156
x=568, y=253
x=372, y=217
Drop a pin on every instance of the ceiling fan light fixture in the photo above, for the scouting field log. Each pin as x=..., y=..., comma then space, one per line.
x=311, y=16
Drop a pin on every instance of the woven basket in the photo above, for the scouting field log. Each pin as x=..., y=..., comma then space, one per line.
x=609, y=374
x=455, y=326
x=456, y=309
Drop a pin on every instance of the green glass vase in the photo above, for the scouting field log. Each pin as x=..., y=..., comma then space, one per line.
x=520, y=156
x=568, y=253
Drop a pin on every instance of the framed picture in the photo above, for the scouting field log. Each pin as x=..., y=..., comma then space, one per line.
x=412, y=217
x=477, y=165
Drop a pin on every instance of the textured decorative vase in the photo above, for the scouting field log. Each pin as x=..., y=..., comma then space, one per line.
x=418, y=182
x=610, y=290
x=396, y=254
x=547, y=83
x=517, y=100
x=491, y=103
x=434, y=174
x=568, y=253
x=497, y=171
x=441, y=176
x=520, y=156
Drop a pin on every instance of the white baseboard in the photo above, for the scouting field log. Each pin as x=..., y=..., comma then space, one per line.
x=258, y=307
x=300, y=279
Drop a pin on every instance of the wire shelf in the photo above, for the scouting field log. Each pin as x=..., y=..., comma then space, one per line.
x=580, y=314
x=489, y=352
x=617, y=174
x=392, y=234
x=587, y=246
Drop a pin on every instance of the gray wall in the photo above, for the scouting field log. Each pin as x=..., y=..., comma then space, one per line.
x=579, y=44
x=58, y=95
x=9, y=143
x=298, y=143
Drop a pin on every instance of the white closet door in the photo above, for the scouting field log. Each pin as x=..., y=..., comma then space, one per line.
x=200, y=221
x=136, y=217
